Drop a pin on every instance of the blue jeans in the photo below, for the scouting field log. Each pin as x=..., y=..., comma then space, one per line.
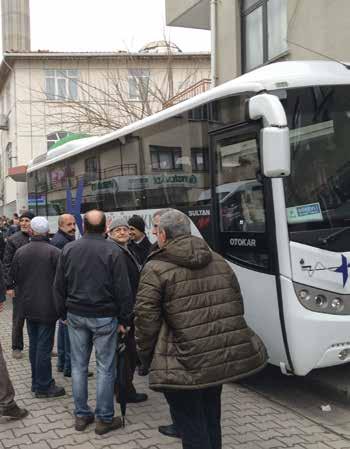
x=41, y=340
x=63, y=348
x=102, y=333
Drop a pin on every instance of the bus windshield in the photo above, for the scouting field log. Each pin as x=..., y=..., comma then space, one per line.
x=318, y=189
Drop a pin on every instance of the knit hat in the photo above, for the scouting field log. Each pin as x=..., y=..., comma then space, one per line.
x=137, y=222
x=40, y=225
x=27, y=214
x=118, y=222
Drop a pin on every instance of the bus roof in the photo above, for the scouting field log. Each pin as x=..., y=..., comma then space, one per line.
x=280, y=75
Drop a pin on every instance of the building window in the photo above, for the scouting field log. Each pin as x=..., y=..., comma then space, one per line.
x=53, y=138
x=199, y=158
x=138, y=83
x=61, y=85
x=165, y=158
x=91, y=169
x=9, y=155
x=264, y=31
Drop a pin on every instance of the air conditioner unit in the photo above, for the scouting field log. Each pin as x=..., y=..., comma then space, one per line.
x=4, y=122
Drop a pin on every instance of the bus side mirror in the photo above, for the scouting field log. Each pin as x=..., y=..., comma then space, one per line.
x=275, y=152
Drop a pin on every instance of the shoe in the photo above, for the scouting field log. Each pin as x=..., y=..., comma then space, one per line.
x=54, y=391
x=141, y=371
x=169, y=431
x=69, y=374
x=103, y=427
x=14, y=413
x=17, y=354
x=136, y=398
x=81, y=422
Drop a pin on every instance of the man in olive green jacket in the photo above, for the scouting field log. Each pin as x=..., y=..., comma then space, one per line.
x=190, y=330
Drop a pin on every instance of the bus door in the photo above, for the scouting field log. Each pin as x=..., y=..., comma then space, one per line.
x=244, y=230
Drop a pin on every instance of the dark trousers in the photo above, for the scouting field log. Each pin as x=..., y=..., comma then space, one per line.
x=17, y=326
x=197, y=416
x=63, y=348
x=7, y=393
x=41, y=340
x=130, y=363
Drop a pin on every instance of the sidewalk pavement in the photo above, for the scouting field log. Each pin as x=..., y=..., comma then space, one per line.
x=249, y=421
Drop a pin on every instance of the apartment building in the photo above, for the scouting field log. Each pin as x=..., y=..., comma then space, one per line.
x=249, y=33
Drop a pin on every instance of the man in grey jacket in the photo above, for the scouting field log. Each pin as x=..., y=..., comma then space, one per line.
x=93, y=293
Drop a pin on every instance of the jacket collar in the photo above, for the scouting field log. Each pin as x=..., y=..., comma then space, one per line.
x=94, y=237
x=40, y=238
x=71, y=238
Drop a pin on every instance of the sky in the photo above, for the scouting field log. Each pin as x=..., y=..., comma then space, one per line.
x=106, y=25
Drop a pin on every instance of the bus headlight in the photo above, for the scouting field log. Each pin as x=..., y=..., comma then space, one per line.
x=304, y=295
x=337, y=304
x=321, y=301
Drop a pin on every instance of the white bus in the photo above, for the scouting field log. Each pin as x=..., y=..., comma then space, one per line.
x=261, y=165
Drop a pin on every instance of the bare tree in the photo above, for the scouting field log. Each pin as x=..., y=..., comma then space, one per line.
x=123, y=94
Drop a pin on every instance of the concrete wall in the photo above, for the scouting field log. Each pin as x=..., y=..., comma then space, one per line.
x=228, y=41
x=321, y=26
x=188, y=13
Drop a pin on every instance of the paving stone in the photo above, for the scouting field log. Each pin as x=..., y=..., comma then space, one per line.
x=340, y=444
x=16, y=441
x=41, y=445
x=249, y=421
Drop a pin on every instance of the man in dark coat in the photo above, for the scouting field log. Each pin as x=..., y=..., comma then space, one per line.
x=33, y=271
x=139, y=243
x=13, y=243
x=66, y=231
x=14, y=225
x=190, y=330
x=120, y=234
x=64, y=235
x=8, y=406
x=92, y=289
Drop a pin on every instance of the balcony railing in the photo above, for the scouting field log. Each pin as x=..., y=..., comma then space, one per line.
x=197, y=88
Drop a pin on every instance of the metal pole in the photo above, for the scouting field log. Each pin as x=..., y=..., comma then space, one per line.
x=213, y=28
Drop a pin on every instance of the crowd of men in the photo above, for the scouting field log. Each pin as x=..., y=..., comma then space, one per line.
x=176, y=304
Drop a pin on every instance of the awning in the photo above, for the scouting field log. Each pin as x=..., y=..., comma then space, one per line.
x=19, y=173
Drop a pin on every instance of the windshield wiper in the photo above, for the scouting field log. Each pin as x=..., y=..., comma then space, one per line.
x=333, y=235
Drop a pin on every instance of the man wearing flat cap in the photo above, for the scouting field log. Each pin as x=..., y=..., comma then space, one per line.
x=119, y=232
x=33, y=272
x=139, y=243
x=13, y=243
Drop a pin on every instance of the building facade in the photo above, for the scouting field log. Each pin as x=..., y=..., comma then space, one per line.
x=45, y=97
x=249, y=33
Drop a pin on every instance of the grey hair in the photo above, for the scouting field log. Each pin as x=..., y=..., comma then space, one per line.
x=175, y=224
x=161, y=212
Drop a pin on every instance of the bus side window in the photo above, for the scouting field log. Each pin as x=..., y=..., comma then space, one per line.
x=240, y=202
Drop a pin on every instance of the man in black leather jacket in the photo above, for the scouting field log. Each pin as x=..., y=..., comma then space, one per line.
x=93, y=291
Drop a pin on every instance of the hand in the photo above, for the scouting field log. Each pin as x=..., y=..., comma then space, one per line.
x=10, y=293
x=1, y=306
x=122, y=329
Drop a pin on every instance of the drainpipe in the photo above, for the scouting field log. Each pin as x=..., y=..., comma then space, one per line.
x=213, y=28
